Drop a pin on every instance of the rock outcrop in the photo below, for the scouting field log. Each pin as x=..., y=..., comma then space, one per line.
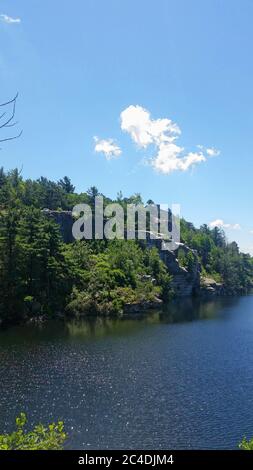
x=185, y=282
x=209, y=287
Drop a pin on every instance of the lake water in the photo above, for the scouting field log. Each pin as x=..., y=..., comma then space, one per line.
x=178, y=379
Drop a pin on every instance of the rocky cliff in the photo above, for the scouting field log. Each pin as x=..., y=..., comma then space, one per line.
x=209, y=287
x=186, y=282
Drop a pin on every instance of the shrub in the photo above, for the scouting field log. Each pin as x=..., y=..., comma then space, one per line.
x=246, y=445
x=51, y=437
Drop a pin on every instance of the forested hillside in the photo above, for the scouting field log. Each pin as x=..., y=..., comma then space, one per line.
x=40, y=275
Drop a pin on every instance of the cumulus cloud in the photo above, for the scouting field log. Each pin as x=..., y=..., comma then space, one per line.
x=221, y=224
x=9, y=20
x=162, y=134
x=108, y=147
x=169, y=159
x=145, y=131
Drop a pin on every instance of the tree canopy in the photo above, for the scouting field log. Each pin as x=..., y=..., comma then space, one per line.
x=40, y=275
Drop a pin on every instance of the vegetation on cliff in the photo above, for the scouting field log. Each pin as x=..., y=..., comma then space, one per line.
x=41, y=275
x=219, y=259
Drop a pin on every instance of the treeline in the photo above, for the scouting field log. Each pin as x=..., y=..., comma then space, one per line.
x=219, y=259
x=40, y=275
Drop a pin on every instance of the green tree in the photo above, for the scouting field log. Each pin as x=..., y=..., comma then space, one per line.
x=10, y=285
x=66, y=185
x=55, y=276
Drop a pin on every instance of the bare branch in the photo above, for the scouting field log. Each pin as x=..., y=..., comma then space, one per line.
x=9, y=102
x=8, y=122
x=5, y=124
x=11, y=138
x=12, y=125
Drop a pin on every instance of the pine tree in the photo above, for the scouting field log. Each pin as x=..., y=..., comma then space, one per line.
x=10, y=286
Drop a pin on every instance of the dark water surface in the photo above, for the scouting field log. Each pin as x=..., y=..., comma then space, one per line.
x=179, y=379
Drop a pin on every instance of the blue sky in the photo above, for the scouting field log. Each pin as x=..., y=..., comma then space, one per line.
x=78, y=65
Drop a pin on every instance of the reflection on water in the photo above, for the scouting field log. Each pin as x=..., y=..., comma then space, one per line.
x=180, y=377
x=190, y=309
x=178, y=311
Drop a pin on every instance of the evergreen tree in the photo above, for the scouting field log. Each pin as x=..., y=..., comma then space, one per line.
x=66, y=185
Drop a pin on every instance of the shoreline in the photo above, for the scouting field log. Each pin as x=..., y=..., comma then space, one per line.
x=130, y=311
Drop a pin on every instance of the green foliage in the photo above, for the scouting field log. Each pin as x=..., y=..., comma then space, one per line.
x=51, y=437
x=41, y=275
x=218, y=258
x=246, y=445
x=115, y=276
x=34, y=275
x=66, y=185
x=186, y=259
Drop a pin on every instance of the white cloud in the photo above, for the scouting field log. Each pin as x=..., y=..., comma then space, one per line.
x=221, y=224
x=8, y=19
x=168, y=159
x=162, y=133
x=212, y=152
x=145, y=131
x=108, y=147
